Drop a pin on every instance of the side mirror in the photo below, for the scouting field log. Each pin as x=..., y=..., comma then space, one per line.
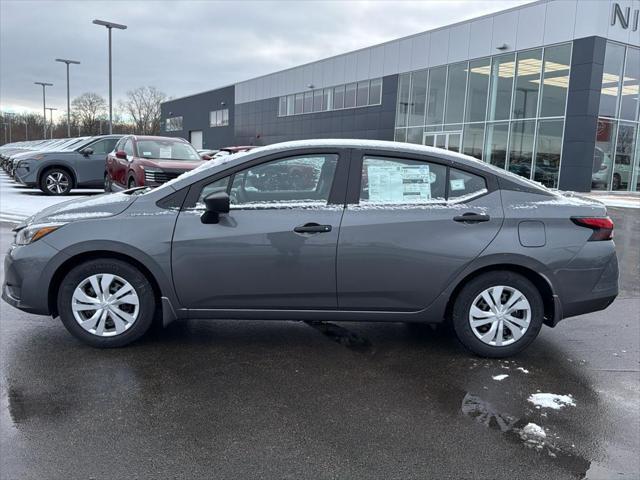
x=121, y=154
x=215, y=203
x=206, y=157
x=86, y=151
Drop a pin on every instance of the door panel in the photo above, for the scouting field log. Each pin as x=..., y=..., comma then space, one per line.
x=254, y=259
x=402, y=256
x=275, y=249
x=195, y=137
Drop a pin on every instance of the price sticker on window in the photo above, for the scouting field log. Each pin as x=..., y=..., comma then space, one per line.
x=456, y=184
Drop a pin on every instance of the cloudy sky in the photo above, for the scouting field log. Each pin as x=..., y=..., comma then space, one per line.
x=183, y=47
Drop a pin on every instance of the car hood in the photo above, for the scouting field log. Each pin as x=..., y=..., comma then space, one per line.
x=170, y=164
x=99, y=206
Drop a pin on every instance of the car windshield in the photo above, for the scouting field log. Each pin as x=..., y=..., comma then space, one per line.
x=167, y=150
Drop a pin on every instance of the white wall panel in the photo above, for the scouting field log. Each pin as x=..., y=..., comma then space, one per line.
x=592, y=18
x=505, y=26
x=350, y=67
x=376, y=63
x=560, y=19
x=459, y=43
x=404, y=55
x=338, y=70
x=316, y=75
x=616, y=32
x=420, y=51
x=363, y=58
x=480, y=37
x=391, y=53
x=530, y=31
x=439, y=47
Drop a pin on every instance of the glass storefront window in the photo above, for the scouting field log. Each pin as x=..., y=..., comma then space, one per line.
x=502, y=71
x=418, y=97
x=555, y=80
x=548, y=149
x=435, y=97
x=404, y=83
x=308, y=102
x=298, y=103
x=478, y=88
x=635, y=182
x=521, y=147
x=362, y=97
x=625, y=147
x=456, y=92
x=613, y=61
x=290, y=104
x=317, y=100
x=375, y=92
x=528, y=69
x=630, y=99
x=495, y=149
x=473, y=140
x=338, y=97
x=400, y=135
x=603, y=154
x=350, y=95
x=327, y=99
x=414, y=135
x=282, y=106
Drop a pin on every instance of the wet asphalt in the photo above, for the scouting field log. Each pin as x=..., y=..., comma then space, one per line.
x=249, y=400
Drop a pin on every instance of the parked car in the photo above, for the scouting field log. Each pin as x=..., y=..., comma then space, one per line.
x=75, y=164
x=602, y=165
x=9, y=155
x=382, y=231
x=208, y=152
x=231, y=150
x=148, y=161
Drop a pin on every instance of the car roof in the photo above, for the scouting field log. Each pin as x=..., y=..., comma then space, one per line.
x=157, y=137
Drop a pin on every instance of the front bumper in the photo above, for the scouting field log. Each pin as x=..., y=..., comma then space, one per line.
x=27, y=277
x=26, y=176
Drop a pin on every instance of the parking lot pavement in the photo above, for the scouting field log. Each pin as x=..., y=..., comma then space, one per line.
x=249, y=400
x=17, y=202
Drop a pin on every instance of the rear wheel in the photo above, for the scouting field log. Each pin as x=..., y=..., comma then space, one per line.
x=132, y=183
x=56, y=181
x=107, y=183
x=106, y=303
x=498, y=314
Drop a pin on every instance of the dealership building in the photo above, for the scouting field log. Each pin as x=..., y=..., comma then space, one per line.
x=548, y=90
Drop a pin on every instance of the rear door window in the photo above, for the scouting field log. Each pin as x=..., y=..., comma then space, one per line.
x=401, y=182
x=465, y=184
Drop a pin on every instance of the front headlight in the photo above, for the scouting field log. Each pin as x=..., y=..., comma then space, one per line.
x=31, y=233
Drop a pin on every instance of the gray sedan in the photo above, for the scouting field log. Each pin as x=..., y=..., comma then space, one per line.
x=57, y=172
x=321, y=230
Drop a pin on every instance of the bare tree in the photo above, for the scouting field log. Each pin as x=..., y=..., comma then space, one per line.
x=143, y=106
x=88, y=109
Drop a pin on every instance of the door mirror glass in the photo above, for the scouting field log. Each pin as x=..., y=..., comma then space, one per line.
x=206, y=157
x=215, y=203
x=86, y=151
x=121, y=154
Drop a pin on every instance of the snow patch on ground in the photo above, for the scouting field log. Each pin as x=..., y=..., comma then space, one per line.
x=533, y=435
x=523, y=370
x=499, y=378
x=551, y=400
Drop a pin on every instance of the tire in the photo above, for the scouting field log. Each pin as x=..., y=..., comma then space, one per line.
x=615, y=184
x=117, y=325
x=515, y=337
x=107, y=183
x=56, y=181
x=132, y=183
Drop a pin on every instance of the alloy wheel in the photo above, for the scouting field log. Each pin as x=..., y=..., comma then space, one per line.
x=500, y=315
x=57, y=182
x=105, y=305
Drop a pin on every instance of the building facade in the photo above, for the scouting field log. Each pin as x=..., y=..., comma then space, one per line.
x=548, y=90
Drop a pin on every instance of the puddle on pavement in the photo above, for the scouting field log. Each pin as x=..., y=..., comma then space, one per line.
x=342, y=336
x=483, y=412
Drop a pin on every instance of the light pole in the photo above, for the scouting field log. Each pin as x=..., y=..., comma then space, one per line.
x=68, y=62
x=44, y=107
x=110, y=26
x=51, y=119
x=9, y=116
x=4, y=124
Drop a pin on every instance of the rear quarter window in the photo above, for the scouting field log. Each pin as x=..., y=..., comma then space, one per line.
x=465, y=184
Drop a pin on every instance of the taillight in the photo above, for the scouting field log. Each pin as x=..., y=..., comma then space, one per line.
x=602, y=227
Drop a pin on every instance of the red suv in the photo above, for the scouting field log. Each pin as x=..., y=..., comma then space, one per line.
x=148, y=161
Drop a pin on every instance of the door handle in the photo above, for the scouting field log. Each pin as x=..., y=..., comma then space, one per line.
x=471, y=218
x=312, y=228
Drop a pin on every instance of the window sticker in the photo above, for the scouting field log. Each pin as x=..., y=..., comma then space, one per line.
x=456, y=184
x=399, y=183
x=165, y=152
x=146, y=154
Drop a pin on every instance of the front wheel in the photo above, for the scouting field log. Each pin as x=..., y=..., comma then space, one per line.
x=56, y=182
x=106, y=303
x=107, y=183
x=132, y=183
x=498, y=314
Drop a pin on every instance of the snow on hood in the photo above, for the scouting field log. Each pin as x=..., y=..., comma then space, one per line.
x=100, y=206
